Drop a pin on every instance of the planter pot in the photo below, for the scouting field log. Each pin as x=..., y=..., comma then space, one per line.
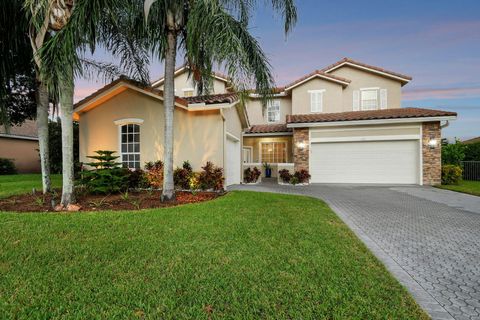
x=268, y=173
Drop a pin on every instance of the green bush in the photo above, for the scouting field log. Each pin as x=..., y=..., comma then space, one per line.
x=472, y=152
x=181, y=176
x=7, y=167
x=137, y=179
x=453, y=153
x=451, y=174
x=108, y=175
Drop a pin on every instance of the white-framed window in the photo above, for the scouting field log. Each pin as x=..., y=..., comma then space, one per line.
x=316, y=100
x=273, y=152
x=273, y=111
x=188, y=92
x=369, y=99
x=130, y=145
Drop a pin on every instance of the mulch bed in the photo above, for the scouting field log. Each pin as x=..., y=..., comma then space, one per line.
x=135, y=200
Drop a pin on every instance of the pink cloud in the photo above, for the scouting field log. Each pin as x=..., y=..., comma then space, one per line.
x=441, y=93
x=82, y=91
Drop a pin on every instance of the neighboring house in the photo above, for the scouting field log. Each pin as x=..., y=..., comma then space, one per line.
x=471, y=141
x=343, y=123
x=21, y=145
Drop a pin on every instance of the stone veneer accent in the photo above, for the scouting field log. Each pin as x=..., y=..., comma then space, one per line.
x=432, y=158
x=301, y=156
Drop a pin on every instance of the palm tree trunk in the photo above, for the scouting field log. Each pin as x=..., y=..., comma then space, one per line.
x=42, y=124
x=66, y=112
x=168, y=192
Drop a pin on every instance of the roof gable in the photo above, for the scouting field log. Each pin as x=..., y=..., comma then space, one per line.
x=404, y=79
x=317, y=74
x=184, y=69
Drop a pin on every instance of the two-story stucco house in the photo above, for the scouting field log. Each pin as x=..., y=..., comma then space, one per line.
x=343, y=123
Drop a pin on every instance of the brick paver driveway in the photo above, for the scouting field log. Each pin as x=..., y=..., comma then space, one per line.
x=428, y=238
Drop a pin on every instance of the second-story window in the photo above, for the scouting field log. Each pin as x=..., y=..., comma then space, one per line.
x=316, y=100
x=273, y=111
x=188, y=92
x=369, y=99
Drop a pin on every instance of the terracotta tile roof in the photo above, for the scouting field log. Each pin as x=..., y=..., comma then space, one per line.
x=268, y=128
x=213, y=98
x=368, y=115
x=361, y=64
x=319, y=73
x=473, y=140
x=131, y=82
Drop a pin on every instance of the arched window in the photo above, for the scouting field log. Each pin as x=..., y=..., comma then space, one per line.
x=130, y=145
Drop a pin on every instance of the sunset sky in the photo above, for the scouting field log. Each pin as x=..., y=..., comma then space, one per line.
x=435, y=42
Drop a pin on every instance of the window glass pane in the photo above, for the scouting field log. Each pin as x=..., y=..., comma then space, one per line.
x=124, y=148
x=369, y=99
x=274, y=152
x=124, y=138
x=124, y=129
x=136, y=137
x=136, y=148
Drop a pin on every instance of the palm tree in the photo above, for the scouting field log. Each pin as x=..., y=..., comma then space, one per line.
x=208, y=32
x=74, y=27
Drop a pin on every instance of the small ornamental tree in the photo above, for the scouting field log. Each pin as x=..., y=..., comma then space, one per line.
x=108, y=176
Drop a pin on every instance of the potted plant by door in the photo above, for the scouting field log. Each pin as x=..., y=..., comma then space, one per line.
x=268, y=170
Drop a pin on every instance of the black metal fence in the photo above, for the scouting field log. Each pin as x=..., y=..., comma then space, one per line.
x=471, y=170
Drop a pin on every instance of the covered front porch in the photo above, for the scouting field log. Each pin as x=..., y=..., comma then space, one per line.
x=268, y=144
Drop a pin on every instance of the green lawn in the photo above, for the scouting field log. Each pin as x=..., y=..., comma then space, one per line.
x=245, y=255
x=23, y=183
x=470, y=187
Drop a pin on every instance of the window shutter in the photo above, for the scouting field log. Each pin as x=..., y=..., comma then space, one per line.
x=383, y=99
x=320, y=103
x=356, y=100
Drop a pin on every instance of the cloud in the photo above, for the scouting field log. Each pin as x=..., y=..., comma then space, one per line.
x=441, y=93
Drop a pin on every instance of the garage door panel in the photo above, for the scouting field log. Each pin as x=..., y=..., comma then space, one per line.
x=390, y=162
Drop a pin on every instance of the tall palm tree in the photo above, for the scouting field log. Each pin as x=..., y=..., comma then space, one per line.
x=74, y=28
x=208, y=32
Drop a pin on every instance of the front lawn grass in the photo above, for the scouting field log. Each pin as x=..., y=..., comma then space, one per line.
x=242, y=256
x=464, y=186
x=23, y=183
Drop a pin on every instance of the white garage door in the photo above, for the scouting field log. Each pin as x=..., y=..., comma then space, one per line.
x=389, y=162
x=233, y=165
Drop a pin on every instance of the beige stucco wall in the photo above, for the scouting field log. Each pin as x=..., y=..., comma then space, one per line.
x=183, y=81
x=332, y=97
x=233, y=124
x=256, y=115
x=364, y=79
x=254, y=142
x=23, y=152
x=199, y=136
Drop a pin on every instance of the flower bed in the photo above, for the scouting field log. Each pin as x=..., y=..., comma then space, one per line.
x=133, y=200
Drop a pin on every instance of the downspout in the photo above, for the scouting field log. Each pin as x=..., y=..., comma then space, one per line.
x=447, y=123
x=224, y=141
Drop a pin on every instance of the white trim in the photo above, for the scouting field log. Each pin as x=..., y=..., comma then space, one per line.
x=251, y=153
x=202, y=106
x=367, y=138
x=360, y=122
x=121, y=122
x=188, y=89
x=314, y=76
x=368, y=69
x=231, y=137
x=79, y=108
x=256, y=95
x=316, y=91
x=420, y=169
x=253, y=164
x=5, y=135
x=372, y=88
x=268, y=134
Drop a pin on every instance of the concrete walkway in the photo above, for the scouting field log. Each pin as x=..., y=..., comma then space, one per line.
x=428, y=238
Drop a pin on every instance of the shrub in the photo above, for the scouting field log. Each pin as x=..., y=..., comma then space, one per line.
x=154, y=174
x=251, y=175
x=453, y=153
x=137, y=179
x=451, y=174
x=285, y=175
x=294, y=180
x=302, y=176
x=211, y=177
x=107, y=177
x=7, y=166
x=181, y=176
x=472, y=152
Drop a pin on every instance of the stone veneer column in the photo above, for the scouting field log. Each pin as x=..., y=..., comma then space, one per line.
x=301, y=156
x=432, y=158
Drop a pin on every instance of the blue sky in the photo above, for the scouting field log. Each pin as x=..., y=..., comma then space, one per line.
x=435, y=42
